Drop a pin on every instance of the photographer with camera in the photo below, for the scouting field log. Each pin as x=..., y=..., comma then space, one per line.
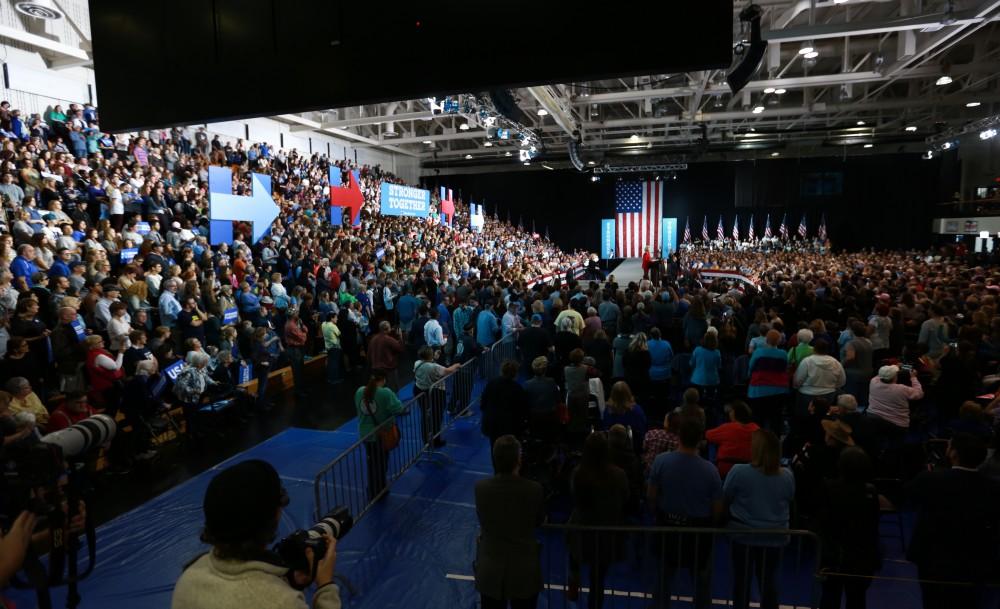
x=242, y=507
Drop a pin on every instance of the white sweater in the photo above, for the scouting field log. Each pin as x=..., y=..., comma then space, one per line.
x=819, y=375
x=211, y=583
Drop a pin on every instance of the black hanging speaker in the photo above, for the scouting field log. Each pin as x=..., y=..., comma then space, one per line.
x=574, y=155
x=740, y=75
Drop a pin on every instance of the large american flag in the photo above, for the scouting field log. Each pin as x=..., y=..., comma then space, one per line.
x=639, y=213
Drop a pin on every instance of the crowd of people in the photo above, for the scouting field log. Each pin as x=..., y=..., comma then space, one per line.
x=831, y=388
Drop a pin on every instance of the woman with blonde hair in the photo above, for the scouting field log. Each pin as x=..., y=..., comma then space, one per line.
x=622, y=409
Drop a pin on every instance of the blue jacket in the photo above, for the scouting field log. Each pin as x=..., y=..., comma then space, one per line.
x=487, y=328
x=59, y=269
x=705, y=364
x=660, y=353
x=407, y=307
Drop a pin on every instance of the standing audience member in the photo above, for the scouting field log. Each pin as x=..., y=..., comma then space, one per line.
x=508, y=568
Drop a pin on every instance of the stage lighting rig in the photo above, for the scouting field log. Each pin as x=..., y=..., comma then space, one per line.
x=740, y=75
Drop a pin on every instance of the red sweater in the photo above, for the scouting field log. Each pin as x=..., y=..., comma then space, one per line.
x=733, y=440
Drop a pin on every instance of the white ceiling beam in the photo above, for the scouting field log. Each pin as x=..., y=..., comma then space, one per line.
x=867, y=28
x=341, y=133
x=44, y=44
x=547, y=100
x=380, y=119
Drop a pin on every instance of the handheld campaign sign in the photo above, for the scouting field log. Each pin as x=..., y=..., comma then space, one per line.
x=128, y=254
x=173, y=370
x=230, y=316
x=142, y=228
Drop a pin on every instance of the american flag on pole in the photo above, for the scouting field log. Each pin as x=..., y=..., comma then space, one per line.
x=750, y=232
x=783, y=229
x=822, y=228
x=638, y=217
x=447, y=205
x=767, y=228
x=687, y=230
x=736, y=228
x=704, y=229
x=803, y=231
x=720, y=232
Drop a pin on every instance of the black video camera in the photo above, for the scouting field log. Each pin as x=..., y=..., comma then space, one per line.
x=292, y=549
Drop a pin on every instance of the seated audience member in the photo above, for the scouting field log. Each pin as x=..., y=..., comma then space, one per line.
x=73, y=410
x=24, y=399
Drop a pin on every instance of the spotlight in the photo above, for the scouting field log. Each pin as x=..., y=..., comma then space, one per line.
x=595, y=178
x=464, y=126
x=673, y=175
x=911, y=128
x=780, y=91
x=973, y=104
x=869, y=145
x=928, y=155
x=943, y=80
x=758, y=109
x=543, y=112
x=768, y=90
x=946, y=146
x=987, y=134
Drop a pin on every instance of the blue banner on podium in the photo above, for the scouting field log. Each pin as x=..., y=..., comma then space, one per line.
x=607, y=238
x=669, y=236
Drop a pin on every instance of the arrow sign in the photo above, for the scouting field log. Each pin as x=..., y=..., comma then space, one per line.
x=346, y=197
x=259, y=208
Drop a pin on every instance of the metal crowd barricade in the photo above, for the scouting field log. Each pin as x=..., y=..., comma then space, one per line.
x=642, y=567
x=352, y=479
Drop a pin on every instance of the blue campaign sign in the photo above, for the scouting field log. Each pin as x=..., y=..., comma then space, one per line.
x=607, y=238
x=258, y=208
x=173, y=370
x=142, y=228
x=128, y=254
x=398, y=200
x=230, y=316
x=81, y=332
x=246, y=373
x=669, y=236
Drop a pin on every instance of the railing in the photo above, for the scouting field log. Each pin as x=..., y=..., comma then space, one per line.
x=642, y=566
x=353, y=479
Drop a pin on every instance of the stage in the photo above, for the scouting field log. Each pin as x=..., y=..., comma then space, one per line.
x=628, y=271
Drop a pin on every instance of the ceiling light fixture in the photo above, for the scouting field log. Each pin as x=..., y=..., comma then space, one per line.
x=527, y=162
x=774, y=154
x=780, y=91
x=464, y=126
x=634, y=137
x=488, y=145
x=911, y=128
x=987, y=134
x=811, y=55
x=869, y=145
x=758, y=109
x=769, y=90
x=807, y=48
x=508, y=153
x=428, y=142
x=543, y=112
x=943, y=80
x=973, y=104
x=591, y=163
x=861, y=123
x=468, y=156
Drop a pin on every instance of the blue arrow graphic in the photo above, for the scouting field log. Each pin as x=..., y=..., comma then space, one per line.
x=259, y=208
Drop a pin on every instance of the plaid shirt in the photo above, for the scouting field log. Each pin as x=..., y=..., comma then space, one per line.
x=658, y=441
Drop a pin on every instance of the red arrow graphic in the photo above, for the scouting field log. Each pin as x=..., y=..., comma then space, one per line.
x=350, y=197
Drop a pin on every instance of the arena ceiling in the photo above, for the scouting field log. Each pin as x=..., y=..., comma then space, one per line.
x=874, y=85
